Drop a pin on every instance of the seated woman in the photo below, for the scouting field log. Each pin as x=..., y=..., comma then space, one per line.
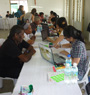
x=28, y=31
x=53, y=21
x=78, y=52
x=53, y=27
x=52, y=15
x=61, y=24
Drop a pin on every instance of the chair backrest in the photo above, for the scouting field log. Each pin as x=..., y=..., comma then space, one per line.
x=8, y=93
x=86, y=74
x=1, y=41
x=88, y=53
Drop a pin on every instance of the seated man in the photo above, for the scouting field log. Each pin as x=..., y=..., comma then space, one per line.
x=34, y=24
x=11, y=56
x=28, y=31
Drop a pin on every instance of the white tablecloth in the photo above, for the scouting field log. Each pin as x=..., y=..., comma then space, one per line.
x=7, y=23
x=35, y=72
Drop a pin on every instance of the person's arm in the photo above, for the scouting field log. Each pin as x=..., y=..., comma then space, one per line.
x=21, y=17
x=51, y=27
x=32, y=18
x=59, y=39
x=27, y=55
x=75, y=60
x=49, y=39
x=30, y=42
x=64, y=46
x=64, y=52
x=33, y=38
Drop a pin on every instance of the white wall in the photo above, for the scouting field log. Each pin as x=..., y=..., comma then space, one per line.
x=41, y=5
x=4, y=7
x=47, y=5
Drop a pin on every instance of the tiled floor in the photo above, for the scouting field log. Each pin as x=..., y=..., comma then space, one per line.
x=8, y=84
x=4, y=33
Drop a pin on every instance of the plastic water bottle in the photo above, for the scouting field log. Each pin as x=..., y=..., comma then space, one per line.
x=38, y=28
x=74, y=73
x=67, y=72
x=69, y=60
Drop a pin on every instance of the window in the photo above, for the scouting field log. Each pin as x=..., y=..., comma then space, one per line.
x=67, y=4
x=15, y=5
x=77, y=5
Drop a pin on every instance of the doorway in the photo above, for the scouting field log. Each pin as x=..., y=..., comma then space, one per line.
x=15, y=5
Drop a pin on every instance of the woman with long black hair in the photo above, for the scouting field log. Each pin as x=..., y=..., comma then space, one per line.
x=78, y=51
x=20, y=15
x=61, y=24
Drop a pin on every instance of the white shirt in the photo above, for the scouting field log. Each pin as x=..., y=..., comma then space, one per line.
x=64, y=41
x=26, y=37
x=28, y=16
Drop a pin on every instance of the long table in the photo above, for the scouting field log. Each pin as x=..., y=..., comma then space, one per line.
x=35, y=72
x=7, y=23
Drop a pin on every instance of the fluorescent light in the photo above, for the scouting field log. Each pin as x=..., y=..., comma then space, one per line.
x=35, y=6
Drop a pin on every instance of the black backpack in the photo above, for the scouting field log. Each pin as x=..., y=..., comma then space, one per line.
x=88, y=88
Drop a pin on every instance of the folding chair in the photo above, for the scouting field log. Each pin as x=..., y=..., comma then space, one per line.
x=8, y=93
x=1, y=81
x=85, y=79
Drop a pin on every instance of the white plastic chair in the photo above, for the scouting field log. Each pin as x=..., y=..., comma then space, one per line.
x=1, y=41
x=1, y=81
x=8, y=93
x=84, y=81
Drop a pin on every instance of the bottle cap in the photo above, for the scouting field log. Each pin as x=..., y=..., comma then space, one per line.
x=50, y=43
x=30, y=88
x=68, y=55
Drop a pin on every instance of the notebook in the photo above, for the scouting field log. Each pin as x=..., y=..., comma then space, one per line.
x=51, y=57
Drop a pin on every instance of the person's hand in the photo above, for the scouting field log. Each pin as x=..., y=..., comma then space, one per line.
x=53, y=31
x=33, y=51
x=30, y=42
x=30, y=48
x=57, y=46
x=48, y=39
x=35, y=29
x=55, y=38
x=33, y=38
